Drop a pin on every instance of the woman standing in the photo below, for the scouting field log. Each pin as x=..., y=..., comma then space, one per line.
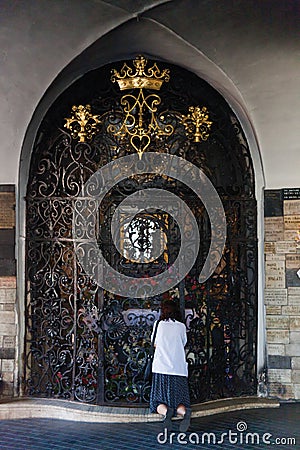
x=169, y=392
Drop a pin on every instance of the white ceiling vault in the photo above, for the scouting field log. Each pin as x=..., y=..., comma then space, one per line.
x=248, y=49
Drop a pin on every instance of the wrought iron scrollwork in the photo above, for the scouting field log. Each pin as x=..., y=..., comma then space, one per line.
x=127, y=326
x=84, y=343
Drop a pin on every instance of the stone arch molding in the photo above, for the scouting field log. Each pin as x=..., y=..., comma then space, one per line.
x=156, y=41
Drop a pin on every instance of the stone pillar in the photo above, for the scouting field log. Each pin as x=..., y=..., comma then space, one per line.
x=282, y=291
x=8, y=322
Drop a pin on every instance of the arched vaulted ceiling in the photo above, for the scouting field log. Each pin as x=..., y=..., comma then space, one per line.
x=249, y=50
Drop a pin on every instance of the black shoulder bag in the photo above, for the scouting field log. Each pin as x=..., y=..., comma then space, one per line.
x=148, y=366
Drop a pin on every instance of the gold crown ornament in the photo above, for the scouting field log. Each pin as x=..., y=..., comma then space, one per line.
x=150, y=78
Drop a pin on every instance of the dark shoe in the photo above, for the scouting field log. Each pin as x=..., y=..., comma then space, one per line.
x=185, y=423
x=167, y=422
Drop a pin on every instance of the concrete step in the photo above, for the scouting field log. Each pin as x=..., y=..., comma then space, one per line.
x=24, y=408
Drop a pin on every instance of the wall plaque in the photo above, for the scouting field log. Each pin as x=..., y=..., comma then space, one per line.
x=290, y=235
x=275, y=267
x=273, y=310
x=9, y=342
x=274, y=228
x=293, y=261
x=293, y=300
x=280, y=362
x=7, y=329
x=269, y=247
x=272, y=257
x=281, y=375
x=275, y=274
x=7, y=365
x=273, y=203
x=7, y=210
x=278, y=322
x=278, y=336
x=276, y=349
x=294, y=291
x=292, y=278
x=275, y=281
x=7, y=353
x=295, y=323
x=292, y=222
x=291, y=193
x=294, y=296
x=285, y=247
x=276, y=297
x=291, y=207
x=291, y=310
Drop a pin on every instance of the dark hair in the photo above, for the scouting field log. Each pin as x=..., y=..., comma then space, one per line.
x=170, y=310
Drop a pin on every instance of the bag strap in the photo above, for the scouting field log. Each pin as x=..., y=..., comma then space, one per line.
x=153, y=339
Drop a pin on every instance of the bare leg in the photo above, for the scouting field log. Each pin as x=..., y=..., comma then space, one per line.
x=167, y=412
x=186, y=418
x=162, y=409
x=181, y=410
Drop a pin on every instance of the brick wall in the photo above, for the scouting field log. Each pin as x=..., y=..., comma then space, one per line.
x=282, y=291
x=8, y=327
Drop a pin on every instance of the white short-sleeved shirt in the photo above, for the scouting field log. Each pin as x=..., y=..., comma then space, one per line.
x=169, y=356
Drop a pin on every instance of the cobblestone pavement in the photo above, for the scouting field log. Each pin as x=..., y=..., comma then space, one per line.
x=250, y=429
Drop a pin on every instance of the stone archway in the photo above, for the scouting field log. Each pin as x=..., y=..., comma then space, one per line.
x=66, y=312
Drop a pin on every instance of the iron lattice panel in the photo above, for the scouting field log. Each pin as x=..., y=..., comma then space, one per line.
x=86, y=344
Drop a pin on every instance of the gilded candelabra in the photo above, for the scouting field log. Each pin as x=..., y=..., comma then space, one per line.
x=82, y=124
x=196, y=123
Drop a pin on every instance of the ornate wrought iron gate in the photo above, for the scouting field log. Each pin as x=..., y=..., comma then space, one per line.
x=88, y=344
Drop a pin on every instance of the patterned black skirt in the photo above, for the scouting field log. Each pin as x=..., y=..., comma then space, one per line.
x=171, y=390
